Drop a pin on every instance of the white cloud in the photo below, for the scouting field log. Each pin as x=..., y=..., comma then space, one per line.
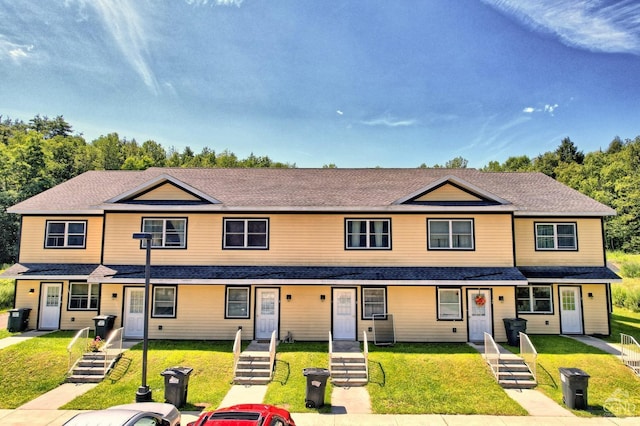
x=236, y=3
x=595, y=25
x=548, y=108
x=388, y=122
x=529, y=110
x=14, y=51
x=130, y=33
x=339, y=112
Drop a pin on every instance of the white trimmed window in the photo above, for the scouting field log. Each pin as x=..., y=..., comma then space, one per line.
x=237, y=302
x=556, y=236
x=368, y=233
x=246, y=233
x=166, y=232
x=66, y=234
x=450, y=234
x=84, y=296
x=373, y=302
x=449, y=304
x=164, y=302
x=534, y=299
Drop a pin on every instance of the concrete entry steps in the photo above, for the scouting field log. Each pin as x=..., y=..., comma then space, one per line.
x=348, y=364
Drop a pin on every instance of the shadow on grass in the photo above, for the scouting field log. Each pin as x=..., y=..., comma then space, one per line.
x=545, y=378
x=376, y=374
x=282, y=372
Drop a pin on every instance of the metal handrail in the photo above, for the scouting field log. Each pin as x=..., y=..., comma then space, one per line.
x=272, y=353
x=112, y=348
x=630, y=352
x=529, y=354
x=366, y=353
x=492, y=354
x=330, y=351
x=237, y=347
x=77, y=348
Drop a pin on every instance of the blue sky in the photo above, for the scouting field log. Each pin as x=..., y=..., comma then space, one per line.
x=358, y=83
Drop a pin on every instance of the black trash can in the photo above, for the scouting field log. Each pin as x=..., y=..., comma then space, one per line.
x=574, y=388
x=18, y=319
x=316, y=384
x=104, y=324
x=176, y=385
x=513, y=327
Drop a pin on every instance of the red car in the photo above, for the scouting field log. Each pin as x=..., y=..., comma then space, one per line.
x=245, y=415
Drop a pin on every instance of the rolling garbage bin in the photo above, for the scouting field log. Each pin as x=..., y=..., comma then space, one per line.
x=574, y=388
x=18, y=319
x=513, y=327
x=176, y=385
x=316, y=384
x=104, y=324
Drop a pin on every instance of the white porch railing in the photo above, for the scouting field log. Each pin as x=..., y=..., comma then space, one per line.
x=492, y=354
x=365, y=345
x=272, y=353
x=77, y=348
x=529, y=354
x=630, y=352
x=330, y=351
x=112, y=348
x=237, y=348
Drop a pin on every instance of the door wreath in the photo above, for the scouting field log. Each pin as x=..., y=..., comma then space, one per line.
x=480, y=300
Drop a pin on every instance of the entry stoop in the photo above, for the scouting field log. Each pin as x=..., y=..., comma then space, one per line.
x=90, y=369
x=253, y=368
x=514, y=373
x=348, y=369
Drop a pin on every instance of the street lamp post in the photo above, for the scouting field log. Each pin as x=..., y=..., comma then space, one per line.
x=144, y=393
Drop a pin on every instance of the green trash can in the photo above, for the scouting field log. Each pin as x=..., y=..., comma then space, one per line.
x=513, y=327
x=176, y=385
x=575, y=383
x=316, y=384
x=104, y=324
x=18, y=319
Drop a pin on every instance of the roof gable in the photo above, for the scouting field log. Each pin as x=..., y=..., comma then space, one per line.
x=163, y=189
x=451, y=190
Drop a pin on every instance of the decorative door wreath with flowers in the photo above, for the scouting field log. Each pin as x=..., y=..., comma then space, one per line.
x=480, y=300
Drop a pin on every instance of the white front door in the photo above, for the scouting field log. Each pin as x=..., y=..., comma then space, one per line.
x=344, y=313
x=266, y=312
x=480, y=320
x=570, y=310
x=133, y=321
x=50, y=303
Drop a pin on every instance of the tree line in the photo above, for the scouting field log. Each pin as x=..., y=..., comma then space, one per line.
x=43, y=152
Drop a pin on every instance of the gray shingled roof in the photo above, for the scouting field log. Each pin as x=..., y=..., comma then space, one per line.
x=308, y=189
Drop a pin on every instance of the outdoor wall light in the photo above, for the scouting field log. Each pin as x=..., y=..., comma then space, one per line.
x=455, y=330
x=32, y=290
x=501, y=298
x=159, y=327
x=590, y=295
x=114, y=295
x=288, y=297
x=322, y=297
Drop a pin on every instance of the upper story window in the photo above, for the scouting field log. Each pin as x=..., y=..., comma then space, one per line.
x=164, y=302
x=374, y=302
x=66, y=234
x=450, y=234
x=84, y=296
x=167, y=232
x=246, y=233
x=368, y=233
x=449, y=304
x=534, y=299
x=556, y=236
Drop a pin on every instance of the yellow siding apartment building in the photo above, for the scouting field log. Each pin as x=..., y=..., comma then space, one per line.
x=432, y=255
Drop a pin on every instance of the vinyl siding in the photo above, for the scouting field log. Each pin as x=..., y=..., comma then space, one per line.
x=590, y=244
x=167, y=192
x=32, y=241
x=448, y=193
x=305, y=315
x=595, y=310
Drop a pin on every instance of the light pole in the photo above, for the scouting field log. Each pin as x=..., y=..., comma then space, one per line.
x=144, y=393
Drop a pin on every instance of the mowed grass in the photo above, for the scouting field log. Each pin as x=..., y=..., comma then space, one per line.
x=612, y=387
x=209, y=382
x=288, y=387
x=435, y=378
x=624, y=321
x=33, y=367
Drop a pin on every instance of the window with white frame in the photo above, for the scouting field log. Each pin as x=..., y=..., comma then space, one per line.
x=449, y=304
x=451, y=234
x=164, y=302
x=368, y=233
x=84, y=296
x=237, y=302
x=556, y=236
x=373, y=302
x=166, y=232
x=534, y=299
x=65, y=234
x=246, y=233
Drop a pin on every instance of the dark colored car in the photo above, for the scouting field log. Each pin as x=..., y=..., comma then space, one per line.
x=142, y=413
x=245, y=415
